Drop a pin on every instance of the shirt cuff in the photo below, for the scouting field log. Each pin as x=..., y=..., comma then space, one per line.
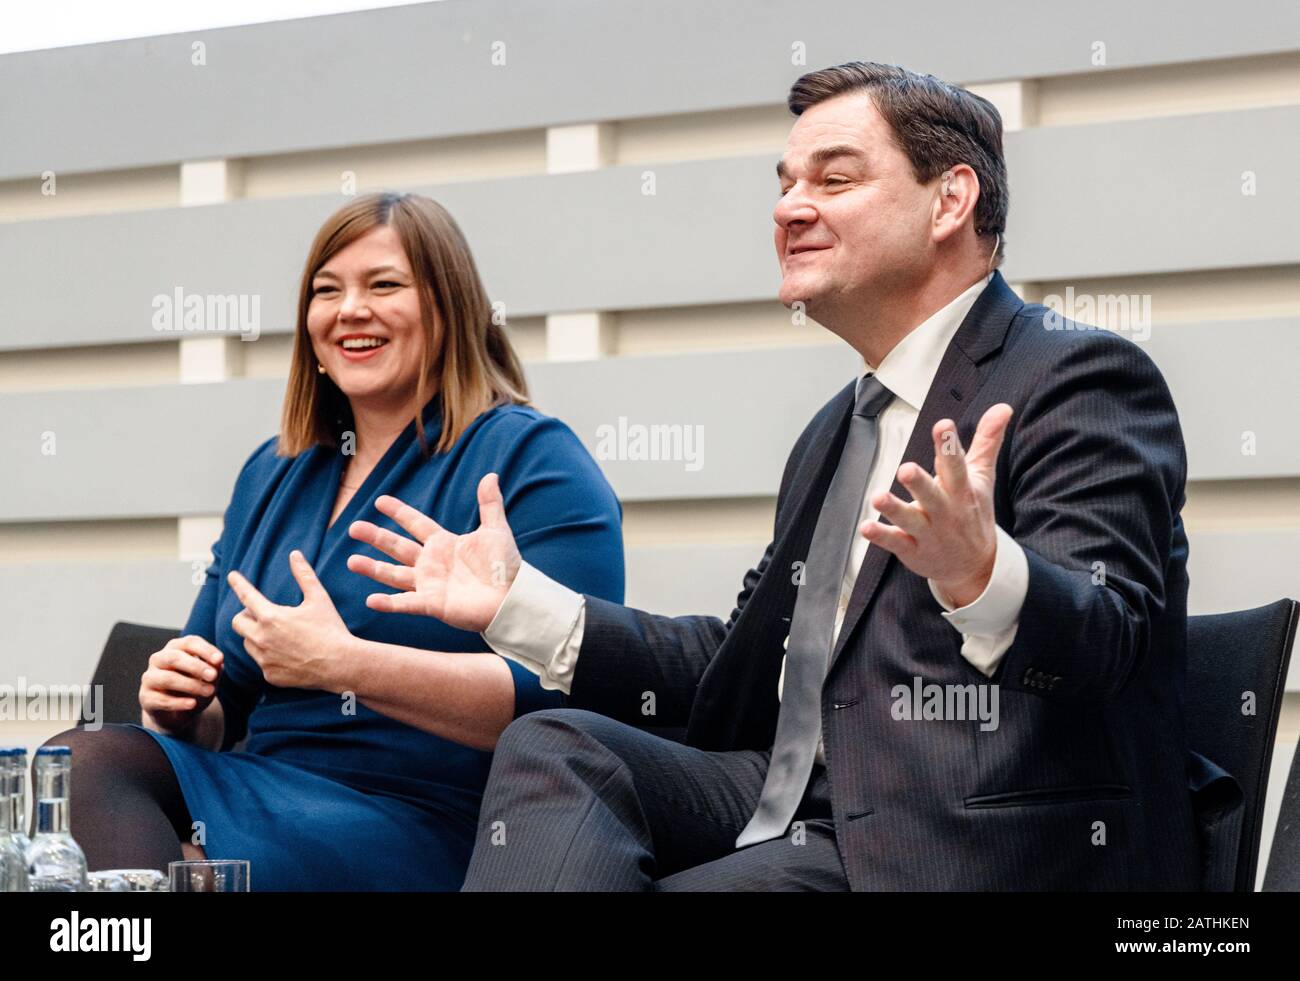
x=996, y=611
x=539, y=626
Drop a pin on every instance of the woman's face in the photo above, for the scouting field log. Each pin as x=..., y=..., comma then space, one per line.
x=364, y=321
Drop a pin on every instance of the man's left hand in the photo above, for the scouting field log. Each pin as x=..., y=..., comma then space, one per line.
x=947, y=533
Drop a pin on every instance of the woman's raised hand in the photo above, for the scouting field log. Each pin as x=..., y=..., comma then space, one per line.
x=458, y=579
x=179, y=684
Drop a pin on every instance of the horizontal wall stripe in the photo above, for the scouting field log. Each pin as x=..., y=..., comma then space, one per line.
x=1173, y=89
x=544, y=243
x=45, y=645
x=1087, y=201
x=1153, y=195
x=140, y=102
x=1239, y=570
x=1233, y=385
x=175, y=450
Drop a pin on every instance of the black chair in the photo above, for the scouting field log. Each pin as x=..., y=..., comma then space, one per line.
x=1236, y=675
x=1283, y=872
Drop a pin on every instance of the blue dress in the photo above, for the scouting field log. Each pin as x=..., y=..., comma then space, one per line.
x=319, y=799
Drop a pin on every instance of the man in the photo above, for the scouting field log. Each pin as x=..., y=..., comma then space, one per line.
x=1035, y=582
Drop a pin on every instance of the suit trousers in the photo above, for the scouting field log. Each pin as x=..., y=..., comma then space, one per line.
x=576, y=801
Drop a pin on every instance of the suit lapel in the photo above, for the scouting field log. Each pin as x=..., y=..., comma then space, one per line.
x=749, y=660
x=940, y=403
x=955, y=383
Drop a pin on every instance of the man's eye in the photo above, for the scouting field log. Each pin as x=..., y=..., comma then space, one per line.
x=837, y=180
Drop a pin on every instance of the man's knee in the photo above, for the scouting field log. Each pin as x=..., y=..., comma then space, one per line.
x=544, y=726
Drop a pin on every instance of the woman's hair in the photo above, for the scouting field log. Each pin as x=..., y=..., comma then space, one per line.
x=475, y=365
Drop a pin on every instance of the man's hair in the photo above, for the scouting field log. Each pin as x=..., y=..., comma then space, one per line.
x=935, y=124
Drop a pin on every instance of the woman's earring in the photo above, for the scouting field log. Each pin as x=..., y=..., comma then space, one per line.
x=320, y=368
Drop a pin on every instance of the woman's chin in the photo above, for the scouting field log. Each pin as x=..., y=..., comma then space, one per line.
x=363, y=389
x=379, y=395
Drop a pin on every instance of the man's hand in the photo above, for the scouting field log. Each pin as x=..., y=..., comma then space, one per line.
x=303, y=646
x=458, y=579
x=947, y=533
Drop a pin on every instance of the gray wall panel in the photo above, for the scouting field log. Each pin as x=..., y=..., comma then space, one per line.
x=544, y=244
x=1229, y=378
x=44, y=644
x=138, y=102
x=163, y=450
x=1153, y=195
x=1239, y=570
x=593, y=241
x=679, y=580
x=176, y=449
x=131, y=453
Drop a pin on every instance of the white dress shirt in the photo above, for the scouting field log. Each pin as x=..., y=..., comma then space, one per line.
x=540, y=622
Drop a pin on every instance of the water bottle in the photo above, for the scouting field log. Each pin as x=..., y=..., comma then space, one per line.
x=13, y=863
x=55, y=863
x=17, y=759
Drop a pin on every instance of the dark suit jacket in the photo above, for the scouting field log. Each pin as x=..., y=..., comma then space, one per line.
x=1083, y=784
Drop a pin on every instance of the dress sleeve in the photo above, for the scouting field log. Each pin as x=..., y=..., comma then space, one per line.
x=567, y=523
x=237, y=691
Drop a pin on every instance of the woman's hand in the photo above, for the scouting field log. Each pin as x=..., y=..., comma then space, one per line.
x=179, y=684
x=458, y=579
x=303, y=646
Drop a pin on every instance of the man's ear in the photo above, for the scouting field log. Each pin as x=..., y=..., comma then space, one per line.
x=959, y=190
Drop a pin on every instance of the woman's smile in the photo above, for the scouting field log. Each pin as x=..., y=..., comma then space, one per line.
x=361, y=347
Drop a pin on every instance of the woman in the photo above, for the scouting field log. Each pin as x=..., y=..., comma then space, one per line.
x=368, y=732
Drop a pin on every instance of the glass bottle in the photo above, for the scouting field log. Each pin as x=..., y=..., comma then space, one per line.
x=55, y=862
x=13, y=863
x=18, y=799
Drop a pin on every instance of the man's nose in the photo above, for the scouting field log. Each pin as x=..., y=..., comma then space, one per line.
x=794, y=208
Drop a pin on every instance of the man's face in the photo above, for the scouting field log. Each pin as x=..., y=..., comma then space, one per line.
x=852, y=223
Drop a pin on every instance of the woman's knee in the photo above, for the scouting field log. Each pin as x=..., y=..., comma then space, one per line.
x=109, y=752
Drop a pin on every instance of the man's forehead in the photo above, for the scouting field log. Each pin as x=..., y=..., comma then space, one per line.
x=845, y=126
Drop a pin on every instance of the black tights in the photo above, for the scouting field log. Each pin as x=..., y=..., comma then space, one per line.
x=128, y=811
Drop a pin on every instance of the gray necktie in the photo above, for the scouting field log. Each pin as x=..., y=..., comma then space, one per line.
x=812, y=627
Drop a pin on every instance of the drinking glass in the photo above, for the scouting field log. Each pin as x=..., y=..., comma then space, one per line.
x=209, y=875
